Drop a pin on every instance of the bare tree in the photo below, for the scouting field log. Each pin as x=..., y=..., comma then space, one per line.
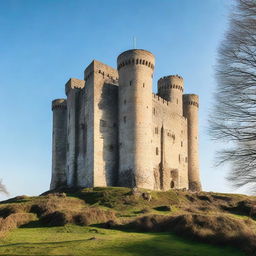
x=3, y=189
x=233, y=119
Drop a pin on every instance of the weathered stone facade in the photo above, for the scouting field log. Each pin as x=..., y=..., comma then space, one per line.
x=113, y=131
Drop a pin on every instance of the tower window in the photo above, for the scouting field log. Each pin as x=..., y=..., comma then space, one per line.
x=143, y=84
x=157, y=151
x=124, y=101
x=124, y=119
x=186, y=159
x=130, y=83
x=179, y=158
x=156, y=130
x=181, y=143
x=154, y=111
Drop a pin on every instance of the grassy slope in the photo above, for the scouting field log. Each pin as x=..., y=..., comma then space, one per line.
x=76, y=240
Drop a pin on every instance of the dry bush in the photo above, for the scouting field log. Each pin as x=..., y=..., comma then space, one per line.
x=52, y=203
x=15, y=220
x=13, y=208
x=84, y=218
x=56, y=219
x=243, y=207
x=93, y=216
x=221, y=230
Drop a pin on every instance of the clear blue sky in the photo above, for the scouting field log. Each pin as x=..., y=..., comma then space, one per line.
x=45, y=42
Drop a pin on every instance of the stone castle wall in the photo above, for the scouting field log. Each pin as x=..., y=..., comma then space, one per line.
x=169, y=147
x=113, y=131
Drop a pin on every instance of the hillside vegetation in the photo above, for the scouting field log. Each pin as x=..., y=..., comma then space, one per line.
x=122, y=221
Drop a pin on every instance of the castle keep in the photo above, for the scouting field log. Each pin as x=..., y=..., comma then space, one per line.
x=113, y=131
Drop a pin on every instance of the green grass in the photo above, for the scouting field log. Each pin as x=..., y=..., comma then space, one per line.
x=76, y=240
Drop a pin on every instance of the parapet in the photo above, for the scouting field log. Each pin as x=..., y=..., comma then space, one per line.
x=100, y=68
x=159, y=99
x=59, y=103
x=74, y=83
x=136, y=57
x=168, y=82
x=191, y=99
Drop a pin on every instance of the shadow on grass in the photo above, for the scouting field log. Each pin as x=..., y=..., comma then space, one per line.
x=160, y=244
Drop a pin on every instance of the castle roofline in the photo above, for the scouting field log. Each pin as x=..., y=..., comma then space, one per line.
x=135, y=52
x=74, y=83
x=59, y=103
x=96, y=66
x=171, y=76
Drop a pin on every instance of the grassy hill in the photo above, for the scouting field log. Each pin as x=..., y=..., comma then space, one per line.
x=121, y=221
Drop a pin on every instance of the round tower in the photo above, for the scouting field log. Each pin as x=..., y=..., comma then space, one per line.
x=135, y=69
x=190, y=109
x=59, y=140
x=171, y=88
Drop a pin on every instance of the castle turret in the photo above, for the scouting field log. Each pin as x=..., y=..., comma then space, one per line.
x=135, y=69
x=59, y=140
x=190, y=109
x=171, y=88
x=73, y=90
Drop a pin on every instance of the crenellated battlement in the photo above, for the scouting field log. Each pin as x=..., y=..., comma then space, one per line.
x=171, y=76
x=170, y=82
x=135, y=57
x=160, y=99
x=74, y=83
x=136, y=62
x=59, y=103
x=96, y=67
x=191, y=99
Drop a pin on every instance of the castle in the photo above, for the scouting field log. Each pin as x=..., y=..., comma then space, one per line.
x=113, y=131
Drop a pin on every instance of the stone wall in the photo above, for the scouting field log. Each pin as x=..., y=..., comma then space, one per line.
x=105, y=124
x=59, y=143
x=73, y=90
x=169, y=145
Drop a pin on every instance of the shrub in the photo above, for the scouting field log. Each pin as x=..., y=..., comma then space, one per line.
x=15, y=220
x=14, y=208
x=215, y=229
x=93, y=216
x=56, y=219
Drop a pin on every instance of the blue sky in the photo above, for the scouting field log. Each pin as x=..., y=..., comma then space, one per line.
x=45, y=42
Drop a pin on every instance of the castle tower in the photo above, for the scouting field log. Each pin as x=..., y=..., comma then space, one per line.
x=135, y=69
x=73, y=90
x=171, y=88
x=59, y=139
x=190, y=108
